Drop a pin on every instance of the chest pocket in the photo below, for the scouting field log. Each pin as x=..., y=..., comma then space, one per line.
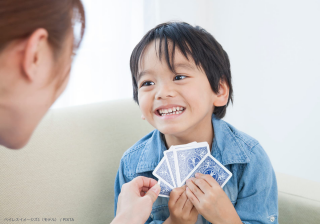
x=160, y=210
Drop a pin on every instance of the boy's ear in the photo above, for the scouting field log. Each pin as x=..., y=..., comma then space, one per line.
x=142, y=117
x=222, y=97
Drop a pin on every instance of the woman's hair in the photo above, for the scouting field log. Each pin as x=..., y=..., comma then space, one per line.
x=20, y=18
x=193, y=42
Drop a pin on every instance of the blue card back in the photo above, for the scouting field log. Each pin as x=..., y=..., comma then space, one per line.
x=215, y=169
x=165, y=189
x=187, y=160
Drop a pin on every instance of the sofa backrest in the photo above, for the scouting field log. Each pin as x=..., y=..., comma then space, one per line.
x=67, y=170
x=299, y=200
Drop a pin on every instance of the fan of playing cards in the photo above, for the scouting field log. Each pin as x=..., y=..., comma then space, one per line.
x=182, y=162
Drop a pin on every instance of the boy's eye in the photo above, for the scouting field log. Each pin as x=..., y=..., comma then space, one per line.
x=180, y=77
x=147, y=83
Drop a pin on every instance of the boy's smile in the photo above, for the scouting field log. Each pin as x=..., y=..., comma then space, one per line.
x=169, y=111
x=178, y=104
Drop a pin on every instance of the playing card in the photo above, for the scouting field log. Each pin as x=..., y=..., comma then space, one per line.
x=187, y=158
x=169, y=155
x=182, y=162
x=163, y=172
x=170, y=158
x=182, y=146
x=165, y=189
x=209, y=165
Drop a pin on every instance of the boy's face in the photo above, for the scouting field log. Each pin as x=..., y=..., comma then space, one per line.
x=175, y=104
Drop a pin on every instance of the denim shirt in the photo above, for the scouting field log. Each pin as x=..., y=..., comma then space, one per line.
x=252, y=188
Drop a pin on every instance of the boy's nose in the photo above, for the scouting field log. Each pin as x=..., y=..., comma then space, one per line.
x=165, y=91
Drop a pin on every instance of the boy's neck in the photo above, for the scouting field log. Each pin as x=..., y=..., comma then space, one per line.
x=199, y=134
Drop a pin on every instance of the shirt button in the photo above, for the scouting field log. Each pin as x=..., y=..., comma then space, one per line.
x=151, y=216
x=272, y=218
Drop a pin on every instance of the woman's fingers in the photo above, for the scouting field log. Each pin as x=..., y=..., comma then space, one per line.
x=145, y=189
x=140, y=182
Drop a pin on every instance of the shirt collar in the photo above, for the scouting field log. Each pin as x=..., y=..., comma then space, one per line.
x=226, y=148
x=151, y=154
x=226, y=145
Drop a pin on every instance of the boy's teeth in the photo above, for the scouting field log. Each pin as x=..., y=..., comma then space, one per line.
x=169, y=111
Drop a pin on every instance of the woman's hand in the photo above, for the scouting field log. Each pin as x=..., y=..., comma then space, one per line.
x=210, y=200
x=134, y=205
x=180, y=207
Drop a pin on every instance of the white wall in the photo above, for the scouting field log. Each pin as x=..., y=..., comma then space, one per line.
x=101, y=68
x=274, y=49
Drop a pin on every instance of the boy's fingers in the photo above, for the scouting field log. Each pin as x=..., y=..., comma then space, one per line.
x=195, y=190
x=182, y=200
x=202, y=184
x=194, y=211
x=195, y=201
x=211, y=181
x=188, y=206
x=175, y=194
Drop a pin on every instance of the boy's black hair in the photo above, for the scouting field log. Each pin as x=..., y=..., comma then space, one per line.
x=196, y=42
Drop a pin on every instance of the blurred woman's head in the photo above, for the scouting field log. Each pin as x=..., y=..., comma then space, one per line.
x=37, y=42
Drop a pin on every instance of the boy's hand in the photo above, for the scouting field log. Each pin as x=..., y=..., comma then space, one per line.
x=180, y=207
x=210, y=200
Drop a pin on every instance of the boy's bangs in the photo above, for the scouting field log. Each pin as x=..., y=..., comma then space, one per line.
x=166, y=41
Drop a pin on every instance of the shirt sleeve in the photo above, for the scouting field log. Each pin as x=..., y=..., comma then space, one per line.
x=119, y=181
x=257, y=200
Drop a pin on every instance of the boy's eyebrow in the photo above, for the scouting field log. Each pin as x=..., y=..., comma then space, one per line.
x=177, y=65
x=184, y=65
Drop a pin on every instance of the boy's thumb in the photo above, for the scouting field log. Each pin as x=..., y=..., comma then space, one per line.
x=153, y=192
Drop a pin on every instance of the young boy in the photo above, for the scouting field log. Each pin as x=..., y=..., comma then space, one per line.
x=182, y=83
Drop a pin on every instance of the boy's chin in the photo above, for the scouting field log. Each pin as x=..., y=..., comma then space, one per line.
x=171, y=131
